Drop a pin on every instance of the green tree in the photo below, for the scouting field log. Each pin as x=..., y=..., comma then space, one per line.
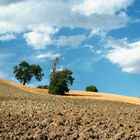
x=37, y=72
x=24, y=72
x=60, y=82
x=91, y=88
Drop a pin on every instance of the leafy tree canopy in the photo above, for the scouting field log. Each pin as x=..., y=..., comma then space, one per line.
x=60, y=81
x=24, y=72
x=91, y=88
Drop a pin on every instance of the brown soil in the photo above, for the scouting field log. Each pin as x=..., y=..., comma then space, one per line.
x=28, y=116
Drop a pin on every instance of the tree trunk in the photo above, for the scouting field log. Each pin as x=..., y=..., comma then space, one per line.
x=24, y=82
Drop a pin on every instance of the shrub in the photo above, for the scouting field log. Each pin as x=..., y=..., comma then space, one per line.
x=59, y=82
x=91, y=88
x=43, y=87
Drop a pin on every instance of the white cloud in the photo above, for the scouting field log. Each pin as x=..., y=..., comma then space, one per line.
x=7, y=37
x=9, y=27
x=109, y=7
x=73, y=41
x=43, y=28
x=40, y=36
x=40, y=20
x=37, y=40
x=49, y=56
x=58, y=13
x=116, y=44
x=126, y=56
x=98, y=32
x=90, y=47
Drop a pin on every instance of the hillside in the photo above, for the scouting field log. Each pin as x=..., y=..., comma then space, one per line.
x=73, y=94
x=11, y=85
x=80, y=116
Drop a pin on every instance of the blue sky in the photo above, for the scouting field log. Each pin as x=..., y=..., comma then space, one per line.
x=98, y=40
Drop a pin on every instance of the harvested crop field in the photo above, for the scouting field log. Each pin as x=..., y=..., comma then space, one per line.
x=30, y=116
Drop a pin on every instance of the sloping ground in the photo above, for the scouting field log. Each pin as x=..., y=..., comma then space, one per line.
x=27, y=116
x=76, y=94
x=21, y=87
x=7, y=88
x=105, y=96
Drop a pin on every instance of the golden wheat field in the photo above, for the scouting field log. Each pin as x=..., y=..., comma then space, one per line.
x=79, y=94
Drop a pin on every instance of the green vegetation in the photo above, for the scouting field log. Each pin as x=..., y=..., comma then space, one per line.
x=59, y=82
x=43, y=87
x=91, y=88
x=24, y=72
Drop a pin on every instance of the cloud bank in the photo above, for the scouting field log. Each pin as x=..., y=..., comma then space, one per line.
x=39, y=21
x=19, y=17
x=110, y=7
x=126, y=55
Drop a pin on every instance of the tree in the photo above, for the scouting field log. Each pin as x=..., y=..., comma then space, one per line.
x=60, y=81
x=55, y=62
x=91, y=88
x=37, y=72
x=24, y=72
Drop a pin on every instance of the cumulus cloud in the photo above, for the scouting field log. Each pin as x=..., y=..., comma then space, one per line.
x=6, y=27
x=116, y=44
x=40, y=20
x=37, y=40
x=50, y=56
x=48, y=12
x=7, y=37
x=109, y=7
x=126, y=55
x=73, y=41
x=40, y=36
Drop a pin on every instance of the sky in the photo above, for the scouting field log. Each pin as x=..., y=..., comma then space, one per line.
x=98, y=40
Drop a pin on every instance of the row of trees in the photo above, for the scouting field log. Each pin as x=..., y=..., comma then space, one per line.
x=59, y=80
